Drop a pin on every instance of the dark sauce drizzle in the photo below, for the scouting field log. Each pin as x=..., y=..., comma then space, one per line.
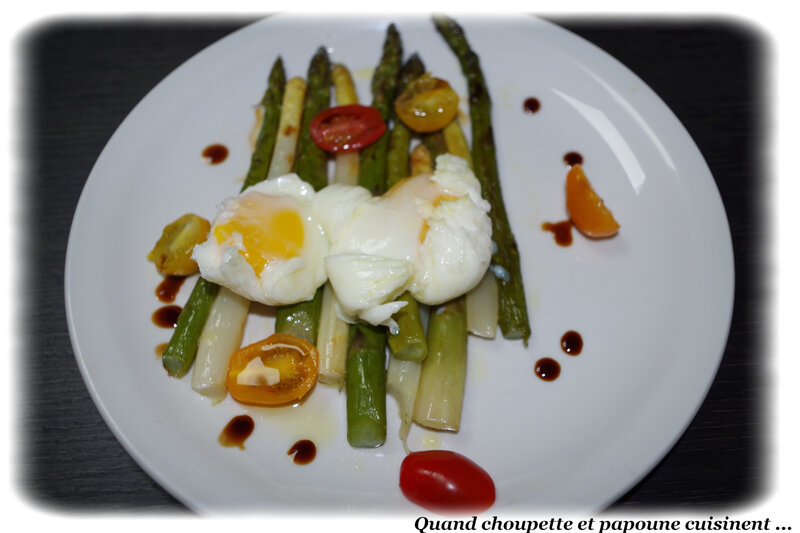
x=562, y=231
x=547, y=369
x=236, y=431
x=215, y=153
x=168, y=289
x=167, y=316
x=304, y=452
x=573, y=158
x=531, y=105
x=572, y=343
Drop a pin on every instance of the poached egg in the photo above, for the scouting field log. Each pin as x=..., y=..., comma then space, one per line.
x=279, y=240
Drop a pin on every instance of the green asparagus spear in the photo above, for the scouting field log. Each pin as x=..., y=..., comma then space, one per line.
x=435, y=143
x=365, y=381
x=366, y=387
x=409, y=342
x=271, y=105
x=372, y=170
x=402, y=376
x=311, y=162
x=181, y=350
x=513, y=318
x=302, y=319
x=397, y=159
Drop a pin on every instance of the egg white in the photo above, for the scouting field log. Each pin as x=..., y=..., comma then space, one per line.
x=429, y=235
x=281, y=282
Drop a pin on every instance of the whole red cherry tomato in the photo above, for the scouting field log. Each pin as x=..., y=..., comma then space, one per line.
x=347, y=127
x=446, y=482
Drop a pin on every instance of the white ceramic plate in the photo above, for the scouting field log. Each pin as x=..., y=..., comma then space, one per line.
x=653, y=304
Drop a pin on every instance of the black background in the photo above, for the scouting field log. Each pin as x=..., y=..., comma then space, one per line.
x=80, y=78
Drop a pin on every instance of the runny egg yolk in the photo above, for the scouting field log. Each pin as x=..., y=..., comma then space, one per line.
x=268, y=232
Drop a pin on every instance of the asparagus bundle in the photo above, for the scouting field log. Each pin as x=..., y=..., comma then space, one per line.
x=366, y=360
x=279, y=149
x=513, y=319
x=181, y=350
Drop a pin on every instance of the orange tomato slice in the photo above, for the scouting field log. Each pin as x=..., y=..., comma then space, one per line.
x=294, y=361
x=586, y=208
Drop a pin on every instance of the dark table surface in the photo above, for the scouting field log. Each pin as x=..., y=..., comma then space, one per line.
x=80, y=78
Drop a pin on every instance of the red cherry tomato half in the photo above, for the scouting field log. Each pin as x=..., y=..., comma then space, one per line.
x=347, y=127
x=446, y=482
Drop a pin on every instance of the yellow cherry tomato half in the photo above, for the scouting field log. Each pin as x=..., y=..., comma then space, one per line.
x=274, y=371
x=427, y=104
x=586, y=208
